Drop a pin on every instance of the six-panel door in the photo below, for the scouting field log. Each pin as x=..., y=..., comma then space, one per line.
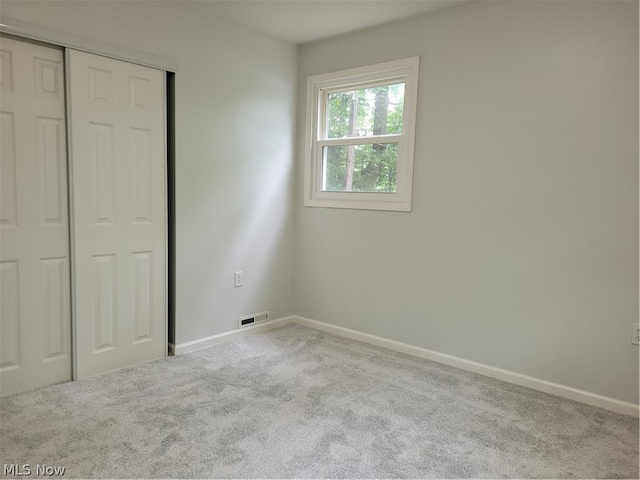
x=119, y=209
x=35, y=318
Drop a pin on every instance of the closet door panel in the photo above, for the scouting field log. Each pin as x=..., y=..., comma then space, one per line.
x=35, y=317
x=119, y=205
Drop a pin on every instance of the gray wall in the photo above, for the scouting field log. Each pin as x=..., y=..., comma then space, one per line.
x=522, y=248
x=235, y=112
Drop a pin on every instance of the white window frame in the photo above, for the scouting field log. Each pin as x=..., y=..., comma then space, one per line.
x=318, y=87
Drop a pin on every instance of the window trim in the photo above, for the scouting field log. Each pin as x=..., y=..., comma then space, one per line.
x=318, y=87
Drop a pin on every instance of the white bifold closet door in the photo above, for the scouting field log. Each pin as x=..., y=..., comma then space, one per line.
x=119, y=211
x=35, y=318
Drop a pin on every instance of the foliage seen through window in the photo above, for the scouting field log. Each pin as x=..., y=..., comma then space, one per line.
x=366, y=112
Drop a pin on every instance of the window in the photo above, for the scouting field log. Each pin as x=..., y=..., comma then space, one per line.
x=360, y=137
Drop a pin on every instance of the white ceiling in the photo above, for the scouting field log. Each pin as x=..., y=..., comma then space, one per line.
x=301, y=21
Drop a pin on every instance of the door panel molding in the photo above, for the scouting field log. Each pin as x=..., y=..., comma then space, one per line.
x=119, y=205
x=35, y=321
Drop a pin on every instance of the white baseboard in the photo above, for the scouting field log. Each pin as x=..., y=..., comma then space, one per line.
x=187, y=347
x=582, y=396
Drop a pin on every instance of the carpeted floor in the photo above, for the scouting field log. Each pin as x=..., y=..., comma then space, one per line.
x=299, y=403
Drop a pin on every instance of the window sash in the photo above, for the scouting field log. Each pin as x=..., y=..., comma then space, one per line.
x=346, y=141
x=323, y=99
x=320, y=173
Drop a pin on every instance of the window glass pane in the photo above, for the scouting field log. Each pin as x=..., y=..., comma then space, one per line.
x=365, y=112
x=361, y=168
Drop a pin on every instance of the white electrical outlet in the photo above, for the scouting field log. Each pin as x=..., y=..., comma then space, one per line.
x=238, y=279
x=636, y=335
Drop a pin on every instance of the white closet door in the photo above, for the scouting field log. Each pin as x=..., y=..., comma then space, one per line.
x=35, y=319
x=119, y=209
